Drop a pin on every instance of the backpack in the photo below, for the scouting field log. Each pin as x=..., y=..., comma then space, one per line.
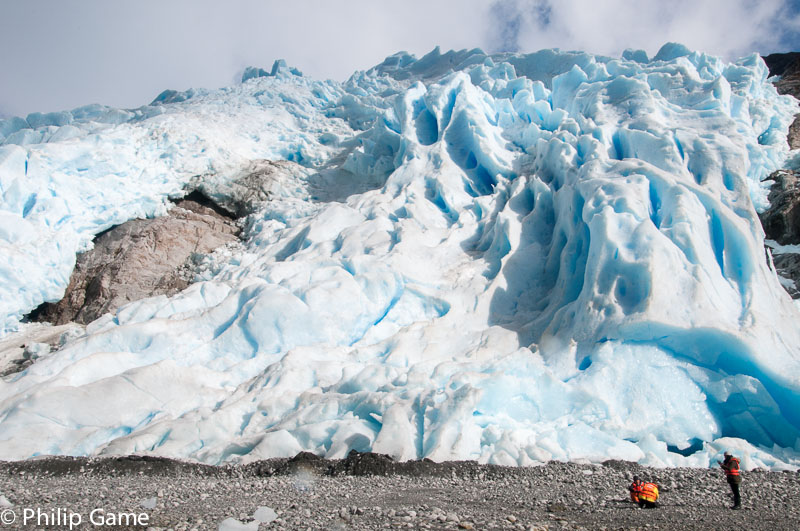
x=648, y=492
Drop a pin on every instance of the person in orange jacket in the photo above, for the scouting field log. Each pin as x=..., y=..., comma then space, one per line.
x=732, y=472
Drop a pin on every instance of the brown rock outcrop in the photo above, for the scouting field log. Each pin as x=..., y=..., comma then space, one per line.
x=781, y=221
x=258, y=182
x=788, y=266
x=793, y=136
x=787, y=65
x=790, y=79
x=777, y=63
x=138, y=259
x=790, y=84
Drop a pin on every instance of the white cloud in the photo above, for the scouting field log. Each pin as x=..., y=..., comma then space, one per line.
x=58, y=55
x=71, y=52
x=729, y=28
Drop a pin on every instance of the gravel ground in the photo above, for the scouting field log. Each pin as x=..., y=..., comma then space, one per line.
x=369, y=491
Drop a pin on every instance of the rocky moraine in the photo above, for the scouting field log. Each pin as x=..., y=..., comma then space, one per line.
x=370, y=491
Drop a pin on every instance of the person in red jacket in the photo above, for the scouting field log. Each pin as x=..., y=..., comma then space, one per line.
x=635, y=488
x=731, y=467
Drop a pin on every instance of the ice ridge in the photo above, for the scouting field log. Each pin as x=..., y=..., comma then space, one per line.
x=508, y=258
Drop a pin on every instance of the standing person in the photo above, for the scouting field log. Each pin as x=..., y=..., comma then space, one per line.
x=731, y=467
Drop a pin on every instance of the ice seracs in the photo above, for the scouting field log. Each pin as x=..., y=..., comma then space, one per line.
x=509, y=258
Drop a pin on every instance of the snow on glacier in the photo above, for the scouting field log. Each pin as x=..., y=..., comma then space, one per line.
x=508, y=258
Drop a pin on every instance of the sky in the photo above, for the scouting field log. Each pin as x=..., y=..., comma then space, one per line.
x=58, y=55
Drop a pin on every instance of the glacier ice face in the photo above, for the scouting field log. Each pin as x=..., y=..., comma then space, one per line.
x=509, y=258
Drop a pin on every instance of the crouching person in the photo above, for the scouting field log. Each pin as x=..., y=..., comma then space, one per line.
x=648, y=496
x=635, y=488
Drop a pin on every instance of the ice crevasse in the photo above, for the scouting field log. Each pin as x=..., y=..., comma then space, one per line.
x=505, y=258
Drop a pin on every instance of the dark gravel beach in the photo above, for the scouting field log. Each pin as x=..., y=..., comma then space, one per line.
x=368, y=491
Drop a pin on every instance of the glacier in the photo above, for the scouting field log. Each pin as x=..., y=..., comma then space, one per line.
x=508, y=258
